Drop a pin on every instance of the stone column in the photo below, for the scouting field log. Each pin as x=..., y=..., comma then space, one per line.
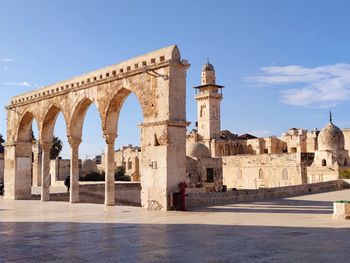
x=45, y=171
x=109, y=170
x=37, y=165
x=74, y=170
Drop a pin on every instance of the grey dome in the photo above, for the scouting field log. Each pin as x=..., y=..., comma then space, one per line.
x=208, y=67
x=331, y=138
x=197, y=150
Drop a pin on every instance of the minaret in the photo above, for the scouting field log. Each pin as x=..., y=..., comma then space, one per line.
x=208, y=97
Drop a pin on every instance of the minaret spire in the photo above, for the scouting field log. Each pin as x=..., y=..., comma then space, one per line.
x=330, y=116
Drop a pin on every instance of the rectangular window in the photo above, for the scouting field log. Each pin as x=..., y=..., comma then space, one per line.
x=210, y=175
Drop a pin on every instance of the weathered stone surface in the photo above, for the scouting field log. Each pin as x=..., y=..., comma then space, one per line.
x=158, y=80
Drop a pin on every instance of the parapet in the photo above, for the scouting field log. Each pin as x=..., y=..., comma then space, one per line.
x=132, y=66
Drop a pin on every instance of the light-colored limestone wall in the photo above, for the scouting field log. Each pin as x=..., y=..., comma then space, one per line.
x=296, y=140
x=158, y=79
x=216, y=198
x=321, y=174
x=311, y=141
x=196, y=172
x=125, y=192
x=208, y=112
x=346, y=133
x=265, y=170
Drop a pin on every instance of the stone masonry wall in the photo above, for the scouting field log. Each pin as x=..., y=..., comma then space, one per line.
x=216, y=198
x=264, y=170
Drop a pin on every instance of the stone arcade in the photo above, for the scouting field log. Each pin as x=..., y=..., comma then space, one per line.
x=158, y=79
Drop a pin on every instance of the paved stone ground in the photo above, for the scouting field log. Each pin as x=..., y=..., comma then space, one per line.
x=299, y=229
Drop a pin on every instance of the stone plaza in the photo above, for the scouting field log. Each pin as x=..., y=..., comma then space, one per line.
x=250, y=199
x=298, y=229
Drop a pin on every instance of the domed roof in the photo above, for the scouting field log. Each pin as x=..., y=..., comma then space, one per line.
x=197, y=150
x=208, y=67
x=331, y=138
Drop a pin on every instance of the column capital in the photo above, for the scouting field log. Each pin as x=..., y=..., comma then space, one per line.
x=110, y=138
x=74, y=142
x=45, y=146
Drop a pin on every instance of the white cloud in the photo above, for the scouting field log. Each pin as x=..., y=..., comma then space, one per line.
x=23, y=84
x=7, y=60
x=323, y=86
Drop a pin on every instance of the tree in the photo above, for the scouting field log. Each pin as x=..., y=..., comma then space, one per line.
x=120, y=174
x=1, y=142
x=56, y=148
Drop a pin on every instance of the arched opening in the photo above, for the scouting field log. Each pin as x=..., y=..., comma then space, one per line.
x=128, y=141
x=59, y=153
x=249, y=149
x=85, y=121
x=221, y=150
x=261, y=174
x=345, y=162
x=324, y=162
x=129, y=164
x=50, y=149
x=240, y=149
x=92, y=149
x=227, y=150
x=27, y=136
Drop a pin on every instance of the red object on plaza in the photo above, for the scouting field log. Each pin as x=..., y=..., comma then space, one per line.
x=183, y=187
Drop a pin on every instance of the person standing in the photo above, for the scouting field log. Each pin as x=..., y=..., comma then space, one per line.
x=67, y=183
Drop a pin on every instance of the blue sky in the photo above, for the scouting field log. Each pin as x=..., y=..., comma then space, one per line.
x=283, y=63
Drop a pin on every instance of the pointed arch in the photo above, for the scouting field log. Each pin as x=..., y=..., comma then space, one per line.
x=75, y=127
x=24, y=132
x=112, y=111
x=49, y=121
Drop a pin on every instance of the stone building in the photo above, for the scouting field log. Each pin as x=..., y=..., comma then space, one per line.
x=204, y=172
x=216, y=157
x=129, y=158
x=207, y=157
x=298, y=156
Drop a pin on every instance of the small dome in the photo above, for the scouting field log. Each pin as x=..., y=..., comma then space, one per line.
x=208, y=67
x=197, y=150
x=331, y=138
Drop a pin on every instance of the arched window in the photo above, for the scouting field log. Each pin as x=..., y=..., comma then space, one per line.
x=261, y=174
x=240, y=149
x=324, y=162
x=227, y=150
x=239, y=174
x=202, y=111
x=129, y=164
x=250, y=149
x=221, y=150
x=284, y=174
